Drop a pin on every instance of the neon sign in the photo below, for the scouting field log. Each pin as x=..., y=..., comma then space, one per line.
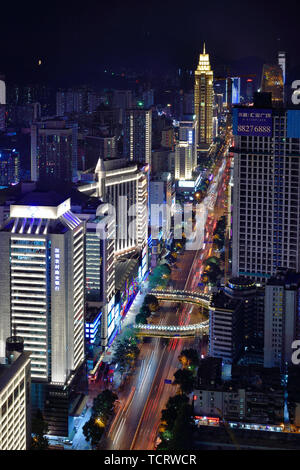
x=57, y=268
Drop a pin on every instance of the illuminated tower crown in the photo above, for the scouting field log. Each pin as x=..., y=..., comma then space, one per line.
x=204, y=65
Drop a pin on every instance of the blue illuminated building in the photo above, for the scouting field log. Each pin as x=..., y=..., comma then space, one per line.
x=92, y=324
x=9, y=167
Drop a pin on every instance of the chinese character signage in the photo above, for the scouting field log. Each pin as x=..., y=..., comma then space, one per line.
x=252, y=122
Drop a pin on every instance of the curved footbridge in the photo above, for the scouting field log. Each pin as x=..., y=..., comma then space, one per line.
x=182, y=331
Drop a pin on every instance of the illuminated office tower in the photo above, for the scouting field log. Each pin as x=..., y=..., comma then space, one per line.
x=272, y=82
x=160, y=194
x=54, y=150
x=9, y=167
x=124, y=186
x=2, y=91
x=282, y=296
x=282, y=64
x=137, y=135
x=266, y=195
x=203, y=97
x=42, y=284
x=236, y=90
x=15, y=423
x=188, y=133
x=183, y=161
x=99, y=262
x=2, y=102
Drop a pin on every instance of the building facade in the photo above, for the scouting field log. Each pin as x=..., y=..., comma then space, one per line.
x=54, y=150
x=266, y=194
x=203, y=99
x=42, y=284
x=282, y=318
x=137, y=144
x=15, y=403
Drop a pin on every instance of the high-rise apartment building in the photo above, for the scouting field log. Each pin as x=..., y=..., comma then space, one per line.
x=15, y=409
x=272, y=82
x=282, y=318
x=203, y=99
x=266, y=194
x=70, y=101
x=138, y=135
x=54, y=150
x=9, y=167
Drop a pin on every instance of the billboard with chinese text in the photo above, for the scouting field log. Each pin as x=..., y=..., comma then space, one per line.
x=252, y=122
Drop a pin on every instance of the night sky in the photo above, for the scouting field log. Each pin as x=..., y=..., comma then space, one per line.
x=77, y=41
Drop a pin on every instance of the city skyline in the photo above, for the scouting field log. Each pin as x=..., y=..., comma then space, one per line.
x=85, y=41
x=149, y=228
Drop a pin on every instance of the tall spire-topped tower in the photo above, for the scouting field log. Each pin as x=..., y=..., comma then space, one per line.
x=203, y=100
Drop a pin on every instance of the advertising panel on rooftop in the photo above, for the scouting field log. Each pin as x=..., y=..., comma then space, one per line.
x=252, y=122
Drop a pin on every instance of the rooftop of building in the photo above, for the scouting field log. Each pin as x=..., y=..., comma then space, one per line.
x=8, y=371
x=41, y=198
x=126, y=270
x=285, y=277
x=222, y=301
x=251, y=377
x=92, y=312
x=241, y=282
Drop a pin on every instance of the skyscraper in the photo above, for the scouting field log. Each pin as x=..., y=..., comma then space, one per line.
x=137, y=135
x=282, y=322
x=266, y=195
x=188, y=133
x=282, y=64
x=54, y=150
x=9, y=167
x=2, y=91
x=2, y=102
x=272, y=82
x=123, y=185
x=203, y=99
x=42, y=284
x=183, y=161
x=15, y=423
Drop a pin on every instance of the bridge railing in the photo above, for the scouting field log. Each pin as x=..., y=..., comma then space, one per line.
x=179, y=294
x=170, y=328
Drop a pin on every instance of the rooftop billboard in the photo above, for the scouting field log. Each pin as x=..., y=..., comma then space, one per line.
x=252, y=122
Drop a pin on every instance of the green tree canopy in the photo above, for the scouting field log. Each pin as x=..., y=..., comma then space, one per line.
x=185, y=379
x=189, y=358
